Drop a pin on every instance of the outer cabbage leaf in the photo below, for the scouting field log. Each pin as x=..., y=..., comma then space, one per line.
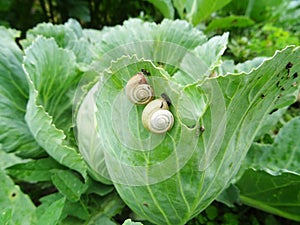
x=8, y=159
x=14, y=133
x=15, y=206
x=69, y=36
x=210, y=54
x=147, y=40
x=272, y=183
x=52, y=76
x=276, y=193
x=170, y=190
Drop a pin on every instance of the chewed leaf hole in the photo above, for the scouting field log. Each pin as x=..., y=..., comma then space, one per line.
x=13, y=194
x=295, y=75
x=289, y=65
x=274, y=110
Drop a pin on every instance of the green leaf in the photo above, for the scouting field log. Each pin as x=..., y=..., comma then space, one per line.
x=210, y=54
x=69, y=36
x=6, y=216
x=64, y=211
x=76, y=209
x=52, y=77
x=14, y=203
x=79, y=9
x=53, y=213
x=68, y=184
x=283, y=154
x=147, y=40
x=105, y=208
x=229, y=196
x=9, y=159
x=229, y=22
x=277, y=194
x=129, y=222
x=63, y=34
x=102, y=220
x=178, y=174
x=271, y=121
x=88, y=142
x=165, y=7
x=14, y=133
x=195, y=11
x=99, y=188
x=34, y=171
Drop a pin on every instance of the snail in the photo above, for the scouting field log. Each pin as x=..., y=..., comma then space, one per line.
x=156, y=116
x=138, y=90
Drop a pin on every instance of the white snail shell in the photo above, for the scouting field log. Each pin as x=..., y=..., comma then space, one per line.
x=156, y=116
x=138, y=90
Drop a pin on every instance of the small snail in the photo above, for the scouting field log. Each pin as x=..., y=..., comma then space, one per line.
x=156, y=116
x=138, y=90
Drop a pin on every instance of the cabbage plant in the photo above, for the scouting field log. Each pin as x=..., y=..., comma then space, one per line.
x=218, y=108
x=62, y=78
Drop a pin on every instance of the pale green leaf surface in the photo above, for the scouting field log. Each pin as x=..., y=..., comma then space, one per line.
x=87, y=138
x=286, y=148
x=165, y=7
x=236, y=105
x=63, y=34
x=52, y=77
x=271, y=121
x=279, y=194
x=283, y=154
x=15, y=202
x=228, y=66
x=208, y=55
x=250, y=64
x=69, y=36
x=130, y=222
x=34, y=171
x=14, y=133
x=149, y=41
x=68, y=183
x=9, y=159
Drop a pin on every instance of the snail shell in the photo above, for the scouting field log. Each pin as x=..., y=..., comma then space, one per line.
x=156, y=116
x=138, y=90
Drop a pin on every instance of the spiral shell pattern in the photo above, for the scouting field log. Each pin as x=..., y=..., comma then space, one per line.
x=138, y=90
x=156, y=117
